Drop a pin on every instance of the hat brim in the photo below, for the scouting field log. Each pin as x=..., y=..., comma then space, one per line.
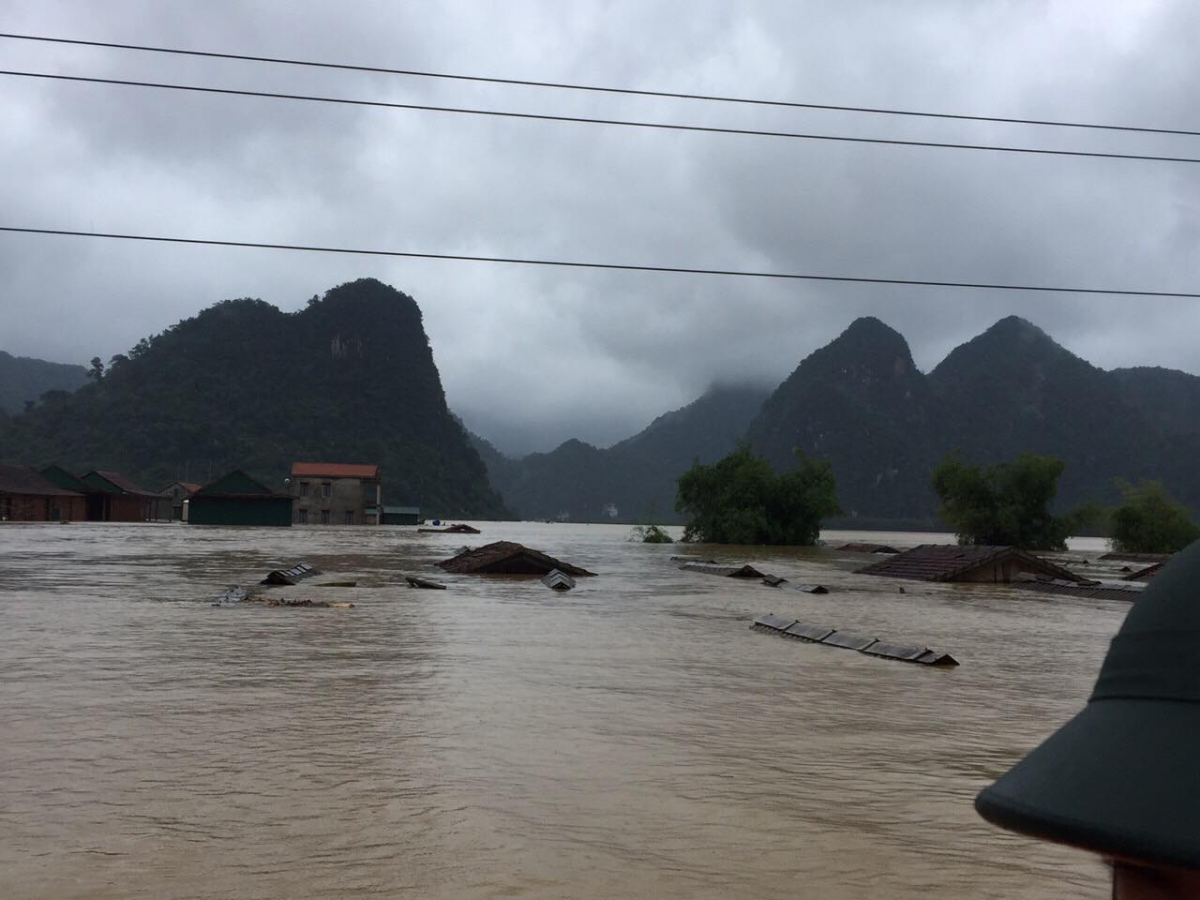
x=1121, y=779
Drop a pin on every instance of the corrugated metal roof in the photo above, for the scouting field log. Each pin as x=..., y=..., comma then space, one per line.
x=1137, y=557
x=1127, y=592
x=951, y=562
x=333, y=470
x=122, y=484
x=1147, y=573
x=28, y=480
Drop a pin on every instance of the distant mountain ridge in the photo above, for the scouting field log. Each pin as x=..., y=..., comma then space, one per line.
x=24, y=379
x=633, y=480
x=861, y=403
x=1008, y=391
x=351, y=378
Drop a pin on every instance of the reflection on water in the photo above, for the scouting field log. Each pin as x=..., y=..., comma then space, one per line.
x=632, y=738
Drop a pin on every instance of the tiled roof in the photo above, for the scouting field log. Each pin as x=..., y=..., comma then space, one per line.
x=508, y=558
x=333, y=470
x=950, y=562
x=27, y=480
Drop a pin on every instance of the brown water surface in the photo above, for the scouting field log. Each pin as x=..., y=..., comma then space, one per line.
x=632, y=738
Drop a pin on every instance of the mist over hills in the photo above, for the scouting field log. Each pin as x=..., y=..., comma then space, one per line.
x=24, y=379
x=352, y=378
x=633, y=479
x=861, y=403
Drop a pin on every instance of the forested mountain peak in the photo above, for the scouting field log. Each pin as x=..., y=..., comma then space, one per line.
x=244, y=385
x=1014, y=350
x=868, y=351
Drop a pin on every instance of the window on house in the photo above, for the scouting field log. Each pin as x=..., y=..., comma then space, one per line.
x=304, y=489
x=349, y=517
x=324, y=517
x=303, y=517
x=325, y=489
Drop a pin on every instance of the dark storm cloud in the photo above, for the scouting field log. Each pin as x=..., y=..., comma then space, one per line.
x=598, y=354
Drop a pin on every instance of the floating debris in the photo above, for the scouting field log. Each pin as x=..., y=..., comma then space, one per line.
x=861, y=547
x=507, y=558
x=415, y=581
x=239, y=596
x=451, y=529
x=821, y=634
x=233, y=595
x=324, y=584
x=558, y=581
x=295, y=574
x=303, y=604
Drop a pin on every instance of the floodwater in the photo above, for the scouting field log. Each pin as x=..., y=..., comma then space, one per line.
x=632, y=738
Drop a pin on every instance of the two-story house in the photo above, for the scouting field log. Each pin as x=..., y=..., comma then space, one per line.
x=336, y=494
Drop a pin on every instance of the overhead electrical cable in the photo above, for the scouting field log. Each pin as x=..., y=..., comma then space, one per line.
x=634, y=92
x=587, y=120
x=575, y=264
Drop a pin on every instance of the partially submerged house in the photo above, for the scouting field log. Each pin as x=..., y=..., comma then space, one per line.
x=28, y=496
x=864, y=547
x=238, y=499
x=978, y=564
x=336, y=494
x=179, y=492
x=112, y=497
x=508, y=558
x=401, y=515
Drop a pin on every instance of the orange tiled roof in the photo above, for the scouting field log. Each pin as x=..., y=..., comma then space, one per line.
x=333, y=470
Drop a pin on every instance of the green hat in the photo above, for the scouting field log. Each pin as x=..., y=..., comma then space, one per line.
x=1122, y=778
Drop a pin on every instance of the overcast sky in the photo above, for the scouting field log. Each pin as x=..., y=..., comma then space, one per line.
x=532, y=356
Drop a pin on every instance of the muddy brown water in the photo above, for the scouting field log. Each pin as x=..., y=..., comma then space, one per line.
x=632, y=738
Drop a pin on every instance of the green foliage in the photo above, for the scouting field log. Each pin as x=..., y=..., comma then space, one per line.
x=1150, y=520
x=242, y=385
x=1007, y=504
x=650, y=534
x=740, y=500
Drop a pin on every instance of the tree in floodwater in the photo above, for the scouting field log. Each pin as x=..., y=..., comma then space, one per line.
x=741, y=500
x=1150, y=520
x=1007, y=504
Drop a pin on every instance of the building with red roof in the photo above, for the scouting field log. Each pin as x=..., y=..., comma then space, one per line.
x=336, y=494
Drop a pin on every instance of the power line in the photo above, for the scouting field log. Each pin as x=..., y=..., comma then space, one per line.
x=671, y=95
x=674, y=270
x=585, y=120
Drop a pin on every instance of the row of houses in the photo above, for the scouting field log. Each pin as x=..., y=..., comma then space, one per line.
x=315, y=494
